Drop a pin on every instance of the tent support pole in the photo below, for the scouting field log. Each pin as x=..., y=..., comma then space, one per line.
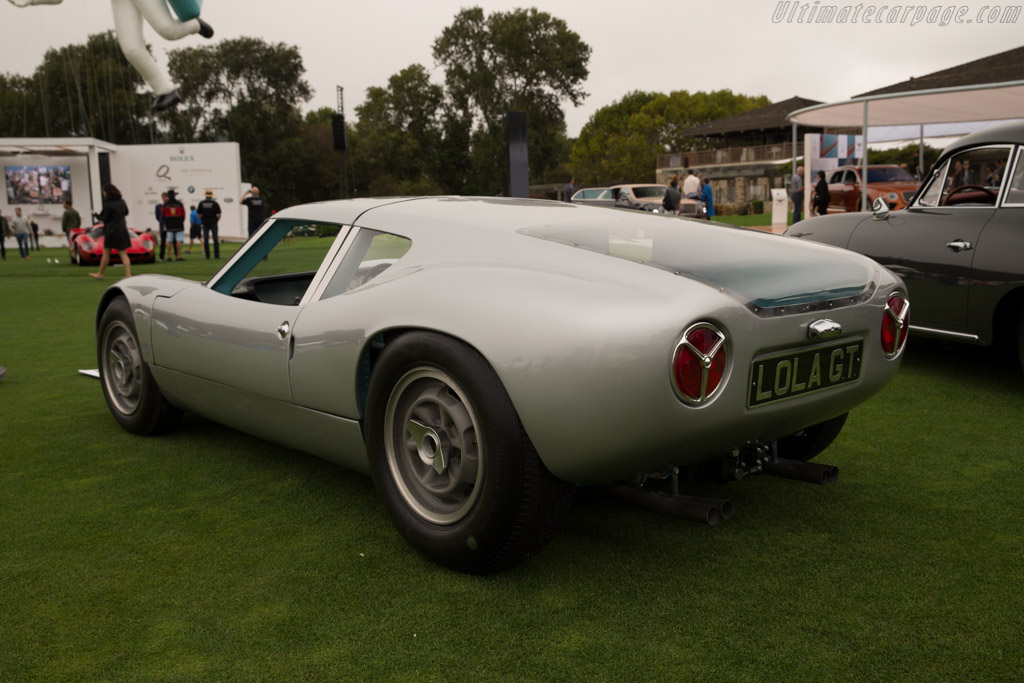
x=864, y=162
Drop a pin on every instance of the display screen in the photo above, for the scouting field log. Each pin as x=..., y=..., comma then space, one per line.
x=37, y=184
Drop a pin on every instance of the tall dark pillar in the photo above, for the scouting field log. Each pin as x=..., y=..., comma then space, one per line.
x=518, y=166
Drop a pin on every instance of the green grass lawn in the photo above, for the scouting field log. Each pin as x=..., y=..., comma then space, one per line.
x=208, y=554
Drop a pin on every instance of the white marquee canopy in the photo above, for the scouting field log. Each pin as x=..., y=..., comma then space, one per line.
x=988, y=102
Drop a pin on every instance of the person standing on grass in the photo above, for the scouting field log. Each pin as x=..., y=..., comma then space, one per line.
x=796, y=192
x=35, y=232
x=70, y=220
x=257, y=207
x=195, y=230
x=160, y=222
x=22, y=230
x=821, y=195
x=708, y=196
x=115, y=230
x=5, y=232
x=209, y=213
x=174, y=222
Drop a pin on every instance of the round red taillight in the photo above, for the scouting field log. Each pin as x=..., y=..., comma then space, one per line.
x=699, y=362
x=895, y=325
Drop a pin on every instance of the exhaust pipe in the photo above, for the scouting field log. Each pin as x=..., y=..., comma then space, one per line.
x=812, y=472
x=707, y=510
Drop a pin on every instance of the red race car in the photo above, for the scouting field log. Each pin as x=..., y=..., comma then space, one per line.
x=87, y=246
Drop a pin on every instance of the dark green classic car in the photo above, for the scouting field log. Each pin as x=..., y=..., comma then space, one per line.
x=959, y=246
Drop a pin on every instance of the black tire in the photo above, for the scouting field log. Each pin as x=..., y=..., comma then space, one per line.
x=131, y=392
x=1020, y=340
x=76, y=257
x=451, y=462
x=810, y=442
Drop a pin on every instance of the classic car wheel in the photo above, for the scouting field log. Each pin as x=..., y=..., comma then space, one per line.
x=130, y=390
x=450, y=460
x=76, y=257
x=1020, y=339
x=811, y=441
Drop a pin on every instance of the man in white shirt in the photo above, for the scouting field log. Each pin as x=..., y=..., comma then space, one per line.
x=691, y=186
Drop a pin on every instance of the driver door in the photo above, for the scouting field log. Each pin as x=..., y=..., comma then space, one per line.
x=238, y=331
x=932, y=244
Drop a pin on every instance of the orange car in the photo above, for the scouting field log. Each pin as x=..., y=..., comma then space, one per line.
x=889, y=181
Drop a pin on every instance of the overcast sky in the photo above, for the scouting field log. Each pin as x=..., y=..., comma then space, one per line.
x=754, y=47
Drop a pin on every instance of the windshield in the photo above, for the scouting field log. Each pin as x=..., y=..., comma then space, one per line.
x=889, y=175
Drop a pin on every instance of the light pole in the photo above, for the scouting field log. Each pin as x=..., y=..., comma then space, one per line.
x=340, y=139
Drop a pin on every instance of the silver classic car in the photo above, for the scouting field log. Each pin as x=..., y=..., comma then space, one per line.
x=483, y=357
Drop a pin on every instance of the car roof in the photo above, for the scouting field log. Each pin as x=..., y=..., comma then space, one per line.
x=1007, y=133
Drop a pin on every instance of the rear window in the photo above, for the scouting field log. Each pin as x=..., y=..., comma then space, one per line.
x=760, y=271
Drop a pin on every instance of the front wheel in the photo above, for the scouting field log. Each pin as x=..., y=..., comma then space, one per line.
x=810, y=442
x=131, y=392
x=451, y=462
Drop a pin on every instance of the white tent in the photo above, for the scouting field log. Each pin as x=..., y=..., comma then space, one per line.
x=989, y=102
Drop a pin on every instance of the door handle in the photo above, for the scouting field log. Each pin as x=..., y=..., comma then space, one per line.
x=283, y=329
x=959, y=245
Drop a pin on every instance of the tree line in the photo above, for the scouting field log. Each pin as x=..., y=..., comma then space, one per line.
x=410, y=136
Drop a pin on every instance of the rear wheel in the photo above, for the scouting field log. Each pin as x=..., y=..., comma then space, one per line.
x=451, y=462
x=1020, y=339
x=810, y=442
x=131, y=392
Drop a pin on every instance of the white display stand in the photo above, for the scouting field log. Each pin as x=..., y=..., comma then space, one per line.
x=780, y=209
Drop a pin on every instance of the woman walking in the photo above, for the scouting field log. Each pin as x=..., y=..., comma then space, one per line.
x=115, y=230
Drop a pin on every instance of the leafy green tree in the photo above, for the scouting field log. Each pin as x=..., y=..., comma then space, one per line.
x=398, y=137
x=18, y=104
x=249, y=91
x=521, y=60
x=621, y=142
x=79, y=90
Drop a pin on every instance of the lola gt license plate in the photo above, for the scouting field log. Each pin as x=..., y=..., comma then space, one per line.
x=794, y=373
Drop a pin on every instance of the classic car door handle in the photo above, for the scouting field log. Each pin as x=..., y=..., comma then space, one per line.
x=960, y=245
x=283, y=329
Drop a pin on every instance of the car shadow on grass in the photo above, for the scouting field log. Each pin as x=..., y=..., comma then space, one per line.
x=997, y=366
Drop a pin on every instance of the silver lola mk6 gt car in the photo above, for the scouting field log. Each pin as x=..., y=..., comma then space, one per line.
x=481, y=357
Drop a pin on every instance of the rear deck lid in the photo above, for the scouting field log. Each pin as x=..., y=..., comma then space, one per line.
x=769, y=274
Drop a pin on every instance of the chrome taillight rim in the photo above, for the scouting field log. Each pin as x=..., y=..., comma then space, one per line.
x=895, y=325
x=699, y=363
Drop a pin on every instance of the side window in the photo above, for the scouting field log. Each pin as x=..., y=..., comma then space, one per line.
x=1015, y=191
x=279, y=265
x=371, y=254
x=931, y=196
x=974, y=177
x=850, y=178
x=836, y=177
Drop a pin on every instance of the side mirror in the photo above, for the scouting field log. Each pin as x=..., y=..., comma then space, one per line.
x=880, y=209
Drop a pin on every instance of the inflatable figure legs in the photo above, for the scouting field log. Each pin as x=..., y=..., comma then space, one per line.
x=128, y=16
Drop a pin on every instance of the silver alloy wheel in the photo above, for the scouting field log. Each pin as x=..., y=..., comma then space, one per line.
x=432, y=439
x=122, y=367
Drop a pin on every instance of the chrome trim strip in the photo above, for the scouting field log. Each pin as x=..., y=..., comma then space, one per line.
x=342, y=242
x=944, y=333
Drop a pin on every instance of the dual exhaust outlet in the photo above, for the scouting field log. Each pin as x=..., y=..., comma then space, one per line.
x=712, y=510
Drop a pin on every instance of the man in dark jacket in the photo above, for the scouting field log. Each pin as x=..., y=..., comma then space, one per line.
x=70, y=220
x=160, y=221
x=257, y=208
x=174, y=223
x=209, y=213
